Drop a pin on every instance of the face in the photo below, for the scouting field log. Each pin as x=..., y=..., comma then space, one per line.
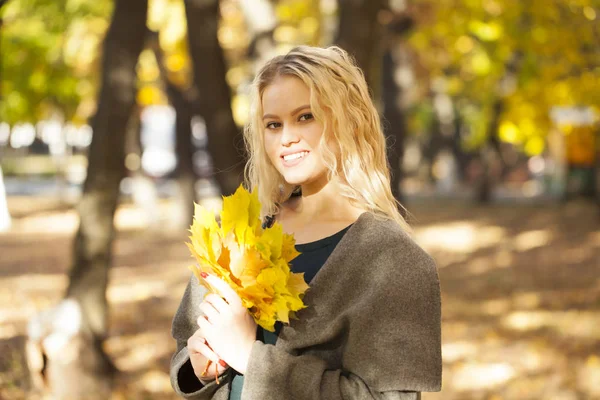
x=292, y=135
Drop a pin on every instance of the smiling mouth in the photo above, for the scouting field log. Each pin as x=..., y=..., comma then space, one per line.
x=295, y=156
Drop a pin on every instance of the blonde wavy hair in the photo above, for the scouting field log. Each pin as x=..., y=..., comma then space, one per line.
x=340, y=100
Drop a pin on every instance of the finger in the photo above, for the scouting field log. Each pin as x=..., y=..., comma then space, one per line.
x=223, y=288
x=218, y=303
x=203, y=319
x=195, y=344
x=206, y=327
x=202, y=348
x=198, y=335
x=209, y=310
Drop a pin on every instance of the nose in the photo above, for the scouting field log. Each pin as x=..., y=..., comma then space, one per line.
x=289, y=136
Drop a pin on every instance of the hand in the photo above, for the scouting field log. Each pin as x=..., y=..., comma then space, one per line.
x=227, y=325
x=200, y=354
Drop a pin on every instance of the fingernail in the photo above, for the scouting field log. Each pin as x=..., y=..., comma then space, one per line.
x=222, y=363
x=203, y=275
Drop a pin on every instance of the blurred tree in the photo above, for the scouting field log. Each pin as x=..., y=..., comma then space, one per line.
x=5, y=220
x=209, y=71
x=370, y=32
x=123, y=44
x=185, y=102
x=81, y=369
x=397, y=25
x=507, y=64
x=360, y=33
x=261, y=22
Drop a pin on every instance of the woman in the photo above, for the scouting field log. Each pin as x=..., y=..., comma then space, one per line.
x=371, y=329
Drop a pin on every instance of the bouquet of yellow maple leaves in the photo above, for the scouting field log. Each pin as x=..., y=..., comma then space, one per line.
x=252, y=260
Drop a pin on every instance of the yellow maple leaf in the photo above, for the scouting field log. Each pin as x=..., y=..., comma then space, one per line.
x=297, y=285
x=271, y=241
x=288, y=249
x=252, y=260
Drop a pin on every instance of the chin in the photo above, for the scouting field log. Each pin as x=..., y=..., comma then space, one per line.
x=295, y=180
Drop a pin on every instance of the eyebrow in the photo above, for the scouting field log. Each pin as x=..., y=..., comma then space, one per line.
x=292, y=113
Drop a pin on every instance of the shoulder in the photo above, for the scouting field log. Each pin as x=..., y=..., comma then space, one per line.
x=387, y=252
x=389, y=237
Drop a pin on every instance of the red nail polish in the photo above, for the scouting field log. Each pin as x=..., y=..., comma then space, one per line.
x=203, y=275
x=222, y=363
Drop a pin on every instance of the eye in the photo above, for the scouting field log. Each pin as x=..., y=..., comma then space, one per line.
x=306, y=117
x=272, y=125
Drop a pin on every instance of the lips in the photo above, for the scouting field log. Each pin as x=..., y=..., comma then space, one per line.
x=292, y=158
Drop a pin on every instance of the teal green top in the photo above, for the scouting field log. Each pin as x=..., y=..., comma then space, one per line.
x=238, y=380
x=312, y=257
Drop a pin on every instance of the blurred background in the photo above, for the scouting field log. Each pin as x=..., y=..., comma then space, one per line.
x=116, y=116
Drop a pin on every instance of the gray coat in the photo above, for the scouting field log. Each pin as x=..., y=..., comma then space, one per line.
x=371, y=329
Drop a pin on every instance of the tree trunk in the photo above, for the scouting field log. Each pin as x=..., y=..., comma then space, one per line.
x=492, y=146
x=83, y=361
x=186, y=178
x=393, y=121
x=122, y=47
x=461, y=156
x=506, y=86
x=5, y=221
x=183, y=102
x=224, y=138
x=597, y=173
x=360, y=33
x=261, y=22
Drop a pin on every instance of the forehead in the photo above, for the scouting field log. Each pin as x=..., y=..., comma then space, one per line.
x=285, y=93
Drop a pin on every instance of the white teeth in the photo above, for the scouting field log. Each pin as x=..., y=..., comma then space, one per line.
x=295, y=156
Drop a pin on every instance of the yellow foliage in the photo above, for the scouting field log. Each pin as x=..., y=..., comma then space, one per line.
x=476, y=42
x=285, y=34
x=236, y=75
x=147, y=67
x=464, y=44
x=240, y=106
x=535, y=146
x=176, y=61
x=580, y=144
x=481, y=63
x=509, y=132
x=491, y=31
x=527, y=127
x=148, y=95
x=157, y=9
x=309, y=27
x=252, y=260
x=589, y=13
x=173, y=28
x=455, y=85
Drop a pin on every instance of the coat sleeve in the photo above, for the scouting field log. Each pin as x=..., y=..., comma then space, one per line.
x=183, y=379
x=306, y=377
x=390, y=329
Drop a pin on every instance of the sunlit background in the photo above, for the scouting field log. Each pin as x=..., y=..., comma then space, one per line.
x=492, y=113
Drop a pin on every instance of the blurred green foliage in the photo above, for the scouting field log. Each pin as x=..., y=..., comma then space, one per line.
x=533, y=55
x=49, y=53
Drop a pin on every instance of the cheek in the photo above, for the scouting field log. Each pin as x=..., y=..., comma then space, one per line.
x=310, y=135
x=270, y=147
x=314, y=137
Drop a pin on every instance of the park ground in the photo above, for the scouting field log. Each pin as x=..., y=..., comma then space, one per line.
x=520, y=294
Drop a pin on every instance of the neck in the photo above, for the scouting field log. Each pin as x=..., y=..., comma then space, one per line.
x=324, y=202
